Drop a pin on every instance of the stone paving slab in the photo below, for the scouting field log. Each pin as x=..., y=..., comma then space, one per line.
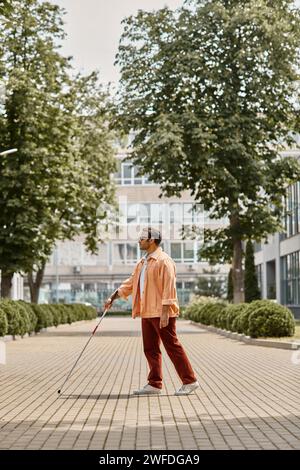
x=248, y=399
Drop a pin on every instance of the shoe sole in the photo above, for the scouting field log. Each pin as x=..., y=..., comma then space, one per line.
x=185, y=393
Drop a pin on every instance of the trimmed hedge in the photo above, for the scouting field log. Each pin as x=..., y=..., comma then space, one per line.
x=19, y=317
x=271, y=320
x=261, y=318
x=193, y=310
x=31, y=315
x=18, y=321
x=232, y=312
x=241, y=322
x=3, y=323
x=210, y=313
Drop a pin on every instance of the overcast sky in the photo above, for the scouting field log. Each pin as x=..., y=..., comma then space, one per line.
x=94, y=29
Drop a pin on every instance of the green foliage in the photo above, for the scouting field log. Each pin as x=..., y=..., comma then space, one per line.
x=258, y=318
x=232, y=312
x=56, y=314
x=16, y=322
x=31, y=315
x=206, y=310
x=251, y=285
x=126, y=313
x=207, y=89
x=44, y=316
x=220, y=319
x=3, y=322
x=241, y=322
x=210, y=313
x=58, y=183
x=271, y=320
x=192, y=310
x=19, y=317
x=5, y=7
x=210, y=284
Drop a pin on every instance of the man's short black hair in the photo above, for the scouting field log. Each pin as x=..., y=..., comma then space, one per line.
x=153, y=234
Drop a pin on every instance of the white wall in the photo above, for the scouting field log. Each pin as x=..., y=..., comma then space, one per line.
x=17, y=291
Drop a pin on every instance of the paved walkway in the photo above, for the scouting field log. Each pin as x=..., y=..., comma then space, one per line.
x=249, y=396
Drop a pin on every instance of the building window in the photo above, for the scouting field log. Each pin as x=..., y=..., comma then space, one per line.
x=290, y=279
x=156, y=213
x=188, y=251
x=125, y=253
x=184, y=252
x=184, y=214
x=176, y=251
x=102, y=286
x=259, y=277
x=127, y=174
x=144, y=214
x=89, y=287
x=292, y=210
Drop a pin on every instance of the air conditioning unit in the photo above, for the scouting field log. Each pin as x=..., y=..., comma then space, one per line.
x=76, y=269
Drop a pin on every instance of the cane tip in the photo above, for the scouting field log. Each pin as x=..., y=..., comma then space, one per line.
x=58, y=391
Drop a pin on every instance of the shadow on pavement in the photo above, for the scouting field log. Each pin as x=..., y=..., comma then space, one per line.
x=107, y=396
x=109, y=333
x=88, y=333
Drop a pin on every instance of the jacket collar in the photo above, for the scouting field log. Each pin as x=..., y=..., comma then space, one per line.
x=155, y=254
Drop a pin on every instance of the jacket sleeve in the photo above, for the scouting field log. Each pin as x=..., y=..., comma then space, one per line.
x=126, y=287
x=168, y=283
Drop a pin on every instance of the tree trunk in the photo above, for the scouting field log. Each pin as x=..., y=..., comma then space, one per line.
x=237, y=273
x=237, y=260
x=35, y=285
x=6, y=284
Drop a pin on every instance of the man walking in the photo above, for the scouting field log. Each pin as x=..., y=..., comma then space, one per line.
x=153, y=288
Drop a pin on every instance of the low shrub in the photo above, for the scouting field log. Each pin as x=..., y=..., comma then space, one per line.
x=241, y=322
x=17, y=318
x=260, y=318
x=271, y=320
x=44, y=316
x=210, y=312
x=232, y=311
x=31, y=315
x=3, y=323
x=194, y=308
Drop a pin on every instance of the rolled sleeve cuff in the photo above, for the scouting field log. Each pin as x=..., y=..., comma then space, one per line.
x=169, y=301
x=122, y=294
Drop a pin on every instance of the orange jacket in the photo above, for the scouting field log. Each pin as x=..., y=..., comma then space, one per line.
x=159, y=286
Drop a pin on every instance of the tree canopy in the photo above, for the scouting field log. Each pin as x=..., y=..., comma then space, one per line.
x=53, y=186
x=211, y=92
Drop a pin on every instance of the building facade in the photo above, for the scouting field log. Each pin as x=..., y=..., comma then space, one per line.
x=73, y=274
x=17, y=289
x=278, y=260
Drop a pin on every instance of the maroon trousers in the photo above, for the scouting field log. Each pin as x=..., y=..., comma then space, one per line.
x=152, y=336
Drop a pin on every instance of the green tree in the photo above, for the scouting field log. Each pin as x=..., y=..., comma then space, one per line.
x=5, y=7
x=210, y=284
x=252, y=291
x=50, y=187
x=88, y=187
x=211, y=92
x=34, y=75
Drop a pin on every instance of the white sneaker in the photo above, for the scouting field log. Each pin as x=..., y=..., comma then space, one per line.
x=147, y=390
x=187, y=388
